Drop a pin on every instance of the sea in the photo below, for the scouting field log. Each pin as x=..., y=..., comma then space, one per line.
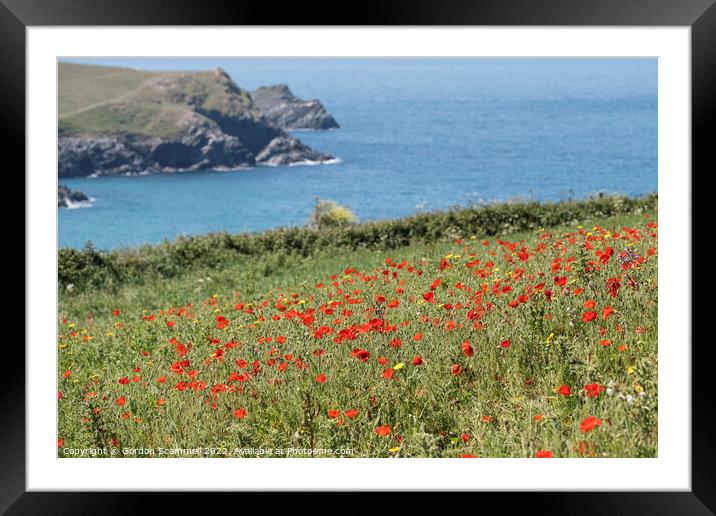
x=416, y=135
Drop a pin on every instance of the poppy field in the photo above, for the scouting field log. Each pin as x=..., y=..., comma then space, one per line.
x=534, y=344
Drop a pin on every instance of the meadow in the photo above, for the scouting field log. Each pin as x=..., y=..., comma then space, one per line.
x=534, y=338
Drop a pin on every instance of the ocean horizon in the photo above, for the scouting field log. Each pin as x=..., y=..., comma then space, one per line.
x=415, y=135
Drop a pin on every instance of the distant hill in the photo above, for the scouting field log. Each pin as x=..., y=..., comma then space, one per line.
x=123, y=121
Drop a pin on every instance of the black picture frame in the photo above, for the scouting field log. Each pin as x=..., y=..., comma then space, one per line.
x=700, y=15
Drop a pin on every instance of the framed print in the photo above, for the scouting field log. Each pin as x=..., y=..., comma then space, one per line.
x=415, y=253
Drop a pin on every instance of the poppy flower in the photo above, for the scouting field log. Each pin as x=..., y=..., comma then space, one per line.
x=589, y=316
x=361, y=354
x=589, y=423
x=468, y=456
x=333, y=414
x=593, y=390
x=394, y=304
x=417, y=360
x=321, y=378
x=505, y=344
x=240, y=413
x=350, y=414
x=121, y=401
x=455, y=369
x=383, y=431
x=589, y=304
x=564, y=390
x=388, y=373
x=60, y=442
x=115, y=312
x=467, y=349
x=543, y=454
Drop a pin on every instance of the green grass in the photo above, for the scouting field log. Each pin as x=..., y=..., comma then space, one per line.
x=487, y=410
x=99, y=100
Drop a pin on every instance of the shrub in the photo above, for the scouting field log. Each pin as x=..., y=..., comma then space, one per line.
x=328, y=214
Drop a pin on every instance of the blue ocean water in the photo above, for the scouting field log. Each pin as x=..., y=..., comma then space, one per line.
x=416, y=134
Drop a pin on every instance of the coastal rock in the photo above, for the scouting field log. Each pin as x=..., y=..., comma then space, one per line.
x=167, y=122
x=286, y=150
x=67, y=197
x=284, y=110
x=102, y=156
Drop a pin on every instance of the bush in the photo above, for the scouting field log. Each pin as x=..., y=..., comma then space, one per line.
x=328, y=214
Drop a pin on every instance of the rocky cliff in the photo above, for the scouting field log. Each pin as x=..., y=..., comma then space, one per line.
x=283, y=109
x=123, y=121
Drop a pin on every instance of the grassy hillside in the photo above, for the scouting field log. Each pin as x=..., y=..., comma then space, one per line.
x=99, y=100
x=538, y=342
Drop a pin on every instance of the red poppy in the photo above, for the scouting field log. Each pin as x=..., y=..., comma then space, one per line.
x=383, y=431
x=394, y=304
x=589, y=316
x=543, y=454
x=333, y=414
x=417, y=360
x=361, y=354
x=321, y=378
x=455, y=369
x=505, y=344
x=589, y=423
x=240, y=413
x=593, y=390
x=388, y=373
x=121, y=401
x=115, y=312
x=467, y=349
x=350, y=414
x=60, y=442
x=589, y=304
x=564, y=390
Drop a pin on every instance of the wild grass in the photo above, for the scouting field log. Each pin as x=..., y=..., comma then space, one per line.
x=304, y=350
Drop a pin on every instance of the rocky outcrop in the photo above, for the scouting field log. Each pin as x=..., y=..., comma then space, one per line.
x=284, y=110
x=175, y=122
x=67, y=197
x=285, y=150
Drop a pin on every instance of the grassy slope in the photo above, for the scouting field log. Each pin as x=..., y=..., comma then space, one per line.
x=419, y=406
x=96, y=100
